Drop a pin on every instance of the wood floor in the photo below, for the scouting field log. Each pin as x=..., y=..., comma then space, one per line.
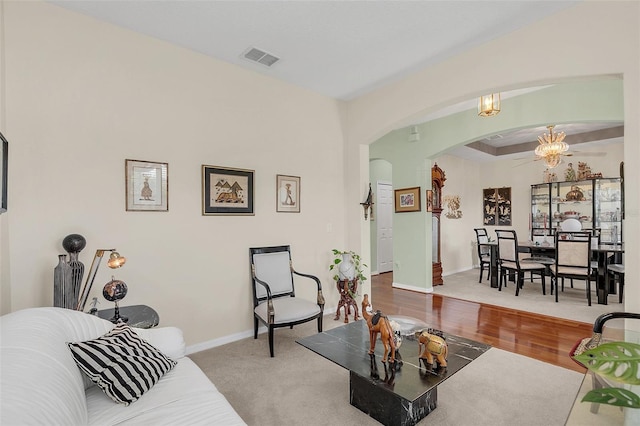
x=536, y=336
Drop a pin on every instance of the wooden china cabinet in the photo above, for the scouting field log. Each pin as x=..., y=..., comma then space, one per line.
x=437, y=182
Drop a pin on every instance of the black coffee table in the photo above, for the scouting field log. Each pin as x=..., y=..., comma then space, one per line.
x=400, y=397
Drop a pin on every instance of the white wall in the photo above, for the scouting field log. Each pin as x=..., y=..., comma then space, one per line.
x=83, y=96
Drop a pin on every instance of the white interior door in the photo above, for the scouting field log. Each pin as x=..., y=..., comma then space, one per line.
x=384, y=219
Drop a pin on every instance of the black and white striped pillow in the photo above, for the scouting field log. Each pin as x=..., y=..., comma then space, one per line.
x=123, y=364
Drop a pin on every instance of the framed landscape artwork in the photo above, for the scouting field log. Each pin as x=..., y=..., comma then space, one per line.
x=407, y=200
x=287, y=194
x=496, y=205
x=147, y=186
x=227, y=191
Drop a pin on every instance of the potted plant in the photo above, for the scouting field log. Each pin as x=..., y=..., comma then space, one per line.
x=618, y=362
x=349, y=271
x=349, y=265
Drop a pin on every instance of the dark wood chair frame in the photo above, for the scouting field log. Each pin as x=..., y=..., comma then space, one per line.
x=255, y=282
x=519, y=271
x=484, y=253
x=583, y=237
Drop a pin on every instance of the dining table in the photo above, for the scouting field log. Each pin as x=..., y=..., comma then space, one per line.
x=535, y=249
x=604, y=285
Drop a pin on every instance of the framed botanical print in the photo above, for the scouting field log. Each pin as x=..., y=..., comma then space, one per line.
x=407, y=200
x=287, y=194
x=227, y=191
x=147, y=186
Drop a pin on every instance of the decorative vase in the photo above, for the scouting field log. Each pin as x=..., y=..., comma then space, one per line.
x=77, y=271
x=347, y=269
x=61, y=282
x=73, y=244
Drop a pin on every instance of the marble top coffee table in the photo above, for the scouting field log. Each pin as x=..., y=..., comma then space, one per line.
x=400, y=397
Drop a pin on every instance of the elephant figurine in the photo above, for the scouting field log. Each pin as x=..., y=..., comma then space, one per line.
x=434, y=345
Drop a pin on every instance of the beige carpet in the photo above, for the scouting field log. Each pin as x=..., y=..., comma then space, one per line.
x=572, y=303
x=299, y=387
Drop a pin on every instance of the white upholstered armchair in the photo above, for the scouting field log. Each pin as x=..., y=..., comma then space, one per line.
x=274, y=299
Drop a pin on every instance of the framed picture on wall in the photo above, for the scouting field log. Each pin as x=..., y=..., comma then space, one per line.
x=496, y=206
x=407, y=200
x=287, y=194
x=429, y=200
x=147, y=186
x=227, y=191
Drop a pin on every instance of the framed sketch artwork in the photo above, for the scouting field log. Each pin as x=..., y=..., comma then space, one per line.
x=147, y=186
x=287, y=194
x=227, y=191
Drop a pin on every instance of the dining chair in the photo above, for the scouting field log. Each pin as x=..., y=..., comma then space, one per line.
x=593, y=235
x=274, y=298
x=616, y=270
x=573, y=260
x=509, y=261
x=484, y=252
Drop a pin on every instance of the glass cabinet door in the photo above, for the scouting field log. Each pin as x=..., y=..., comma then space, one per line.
x=540, y=209
x=575, y=201
x=607, y=209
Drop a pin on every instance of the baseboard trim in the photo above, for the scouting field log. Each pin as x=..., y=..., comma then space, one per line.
x=411, y=288
x=209, y=344
x=456, y=271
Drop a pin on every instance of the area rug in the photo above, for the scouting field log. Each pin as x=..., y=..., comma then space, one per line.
x=299, y=387
x=572, y=302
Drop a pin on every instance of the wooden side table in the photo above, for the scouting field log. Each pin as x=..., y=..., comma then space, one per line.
x=140, y=316
x=346, y=289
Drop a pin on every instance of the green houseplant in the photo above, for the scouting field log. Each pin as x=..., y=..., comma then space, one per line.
x=340, y=258
x=618, y=362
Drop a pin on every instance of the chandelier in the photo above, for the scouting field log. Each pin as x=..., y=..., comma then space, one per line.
x=551, y=147
x=489, y=105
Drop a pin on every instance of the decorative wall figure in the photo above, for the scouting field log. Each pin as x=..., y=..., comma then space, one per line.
x=453, y=206
x=497, y=206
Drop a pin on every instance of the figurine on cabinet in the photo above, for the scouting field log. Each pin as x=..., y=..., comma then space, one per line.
x=570, y=173
x=548, y=176
x=583, y=170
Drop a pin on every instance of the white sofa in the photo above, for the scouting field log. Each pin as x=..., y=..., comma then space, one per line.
x=40, y=382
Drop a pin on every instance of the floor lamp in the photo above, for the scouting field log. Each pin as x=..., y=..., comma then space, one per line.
x=115, y=261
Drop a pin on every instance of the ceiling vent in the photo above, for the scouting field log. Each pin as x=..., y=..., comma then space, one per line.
x=260, y=56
